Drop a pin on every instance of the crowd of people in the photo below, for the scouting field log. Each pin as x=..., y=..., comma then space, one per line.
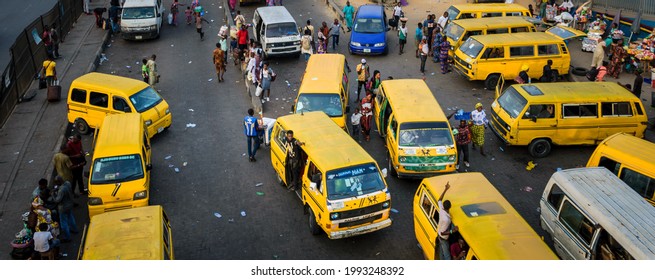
x=50, y=220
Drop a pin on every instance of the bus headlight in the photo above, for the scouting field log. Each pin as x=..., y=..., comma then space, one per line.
x=148, y=122
x=334, y=216
x=379, y=45
x=95, y=201
x=168, y=111
x=451, y=158
x=386, y=204
x=402, y=159
x=356, y=44
x=140, y=195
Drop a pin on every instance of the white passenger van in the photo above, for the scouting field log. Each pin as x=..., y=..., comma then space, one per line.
x=276, y=30
x=141, y=19
x=592, y=214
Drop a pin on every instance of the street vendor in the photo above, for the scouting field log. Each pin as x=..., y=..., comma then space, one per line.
x=599, y=23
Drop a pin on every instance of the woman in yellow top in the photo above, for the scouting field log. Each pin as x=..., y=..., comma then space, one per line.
x=49, y=70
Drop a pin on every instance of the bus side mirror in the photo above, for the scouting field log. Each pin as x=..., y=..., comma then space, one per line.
x=533, y=118
x=384, y=173
x=148, y=167
x=312, y=186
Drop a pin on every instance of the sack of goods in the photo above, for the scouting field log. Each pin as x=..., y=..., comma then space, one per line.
x=222, y=31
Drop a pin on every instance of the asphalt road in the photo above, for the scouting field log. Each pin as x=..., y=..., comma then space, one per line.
x=219, y=179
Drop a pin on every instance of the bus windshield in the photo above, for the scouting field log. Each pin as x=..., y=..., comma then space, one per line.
x=471, y=47
x=512, y=102
x=353, y=181
x=425, y=135
x=117, y=169
x=330, y=104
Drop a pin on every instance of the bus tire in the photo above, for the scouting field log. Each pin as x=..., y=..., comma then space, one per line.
x=579, y=71
x=313, y=226
x=491, y=81
x=539, y=148
x=392, y=171
x=81, y=126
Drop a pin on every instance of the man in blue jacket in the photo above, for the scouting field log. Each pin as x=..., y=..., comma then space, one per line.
x=250, y=127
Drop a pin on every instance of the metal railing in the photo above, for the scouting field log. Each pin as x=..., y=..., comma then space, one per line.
x=28, y=52
x=646, y=6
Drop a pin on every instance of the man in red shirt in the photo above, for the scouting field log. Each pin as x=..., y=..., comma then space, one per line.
x=77, y=157
x=242, y=39
x=458, y=250
x=47, y=40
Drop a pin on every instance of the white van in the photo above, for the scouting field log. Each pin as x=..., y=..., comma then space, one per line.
x=141, y=19
x=592, y=214
x=276, y=30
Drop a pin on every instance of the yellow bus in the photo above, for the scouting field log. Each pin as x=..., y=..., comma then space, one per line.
x=489, y=57
x=343, y=189
x=489, y=225
x=120, y=171
x=324, y=87
x=631, y=159
x=133, y=234
x=567, y=113
x=483, y=10
x=96, y=95
x=417, y=133
x=460, y=30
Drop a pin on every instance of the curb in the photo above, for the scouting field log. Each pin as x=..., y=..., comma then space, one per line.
x=336, y=9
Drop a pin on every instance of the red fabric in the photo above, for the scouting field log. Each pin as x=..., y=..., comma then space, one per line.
x=74, y=149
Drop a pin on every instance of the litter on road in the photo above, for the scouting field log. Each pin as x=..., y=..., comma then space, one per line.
x=218, y=215
x=259, y=184
x=243, y=213
x=394, y=210
x=168, y=157
x=260, y=193
x=191, y=125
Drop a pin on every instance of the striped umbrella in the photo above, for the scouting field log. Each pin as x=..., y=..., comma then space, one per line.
x=636, y=26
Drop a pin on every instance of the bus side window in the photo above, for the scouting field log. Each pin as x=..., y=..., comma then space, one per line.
x=641, y=183
x=555, y=196
x=610, y=164
x=280, y=136
x=430, y=210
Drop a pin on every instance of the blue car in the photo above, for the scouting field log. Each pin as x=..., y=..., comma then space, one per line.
x=369, y=34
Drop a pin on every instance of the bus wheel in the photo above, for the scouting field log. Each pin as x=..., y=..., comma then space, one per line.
x=491, y=81
x=539, y=148
x=313, y=226
x=81, y=126
x=392, y=171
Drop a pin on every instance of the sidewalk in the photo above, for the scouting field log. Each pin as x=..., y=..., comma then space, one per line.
x=35, y=130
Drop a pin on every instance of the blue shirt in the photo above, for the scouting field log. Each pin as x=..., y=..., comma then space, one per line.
x=419, y=34
x=250, y=126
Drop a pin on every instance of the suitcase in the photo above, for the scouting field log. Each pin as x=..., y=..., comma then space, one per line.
x=54, y=92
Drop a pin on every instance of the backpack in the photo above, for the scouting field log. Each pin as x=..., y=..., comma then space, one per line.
x=305, y=43
x=592, y=73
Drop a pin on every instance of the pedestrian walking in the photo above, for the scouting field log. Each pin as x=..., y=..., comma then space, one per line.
x=523, y=77
x=242, y=39
x=444, y=47
x=463, y=139
x=63, y=164
x=310, y=27
x=49, y=70
x=321, y=47
x=480, y=123
x=232, y=4
x=266, y=77
x=402, y=36
x=435, y=51
x=618, y=57
x=293, y=158
x=77, y=157
x=250, y=126
x=638, y=83
x=55, y=39
x=87, y=9
x=47, y=41
x=270, y=2
x=445, y=225
x=334, y=33
x=189, y=15
x=367, y=115
x=418, y=36
x=240, y=21
x=97, y=12
x=175, y=9
x=199, y=20
x=223, y=41
x=306, y=44
x=599, y=55
x=397, y=14
x=363, y=75
x=425, y=50
x=64, y=198
x=113, y=14
x=145, y=73
x=602, y=71
x=355, y=118
x=326, y=33
x=443, y=21
x=373, y=84
x=153, y=77
x=348, y=12
x=428, y=28
x=219, y=61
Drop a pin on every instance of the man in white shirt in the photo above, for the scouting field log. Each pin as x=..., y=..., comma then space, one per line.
x=567, y=5
x=443, y=20
x=354, y=121
x=444, y=226
x=42, y=240
x=397, y=13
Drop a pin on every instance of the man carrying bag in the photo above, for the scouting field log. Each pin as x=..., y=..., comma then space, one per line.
x=50, y=73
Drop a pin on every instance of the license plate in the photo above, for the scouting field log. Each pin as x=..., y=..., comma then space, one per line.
x=139, y=37
x=426, y=164
x=159, y=130
x=367, y=50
